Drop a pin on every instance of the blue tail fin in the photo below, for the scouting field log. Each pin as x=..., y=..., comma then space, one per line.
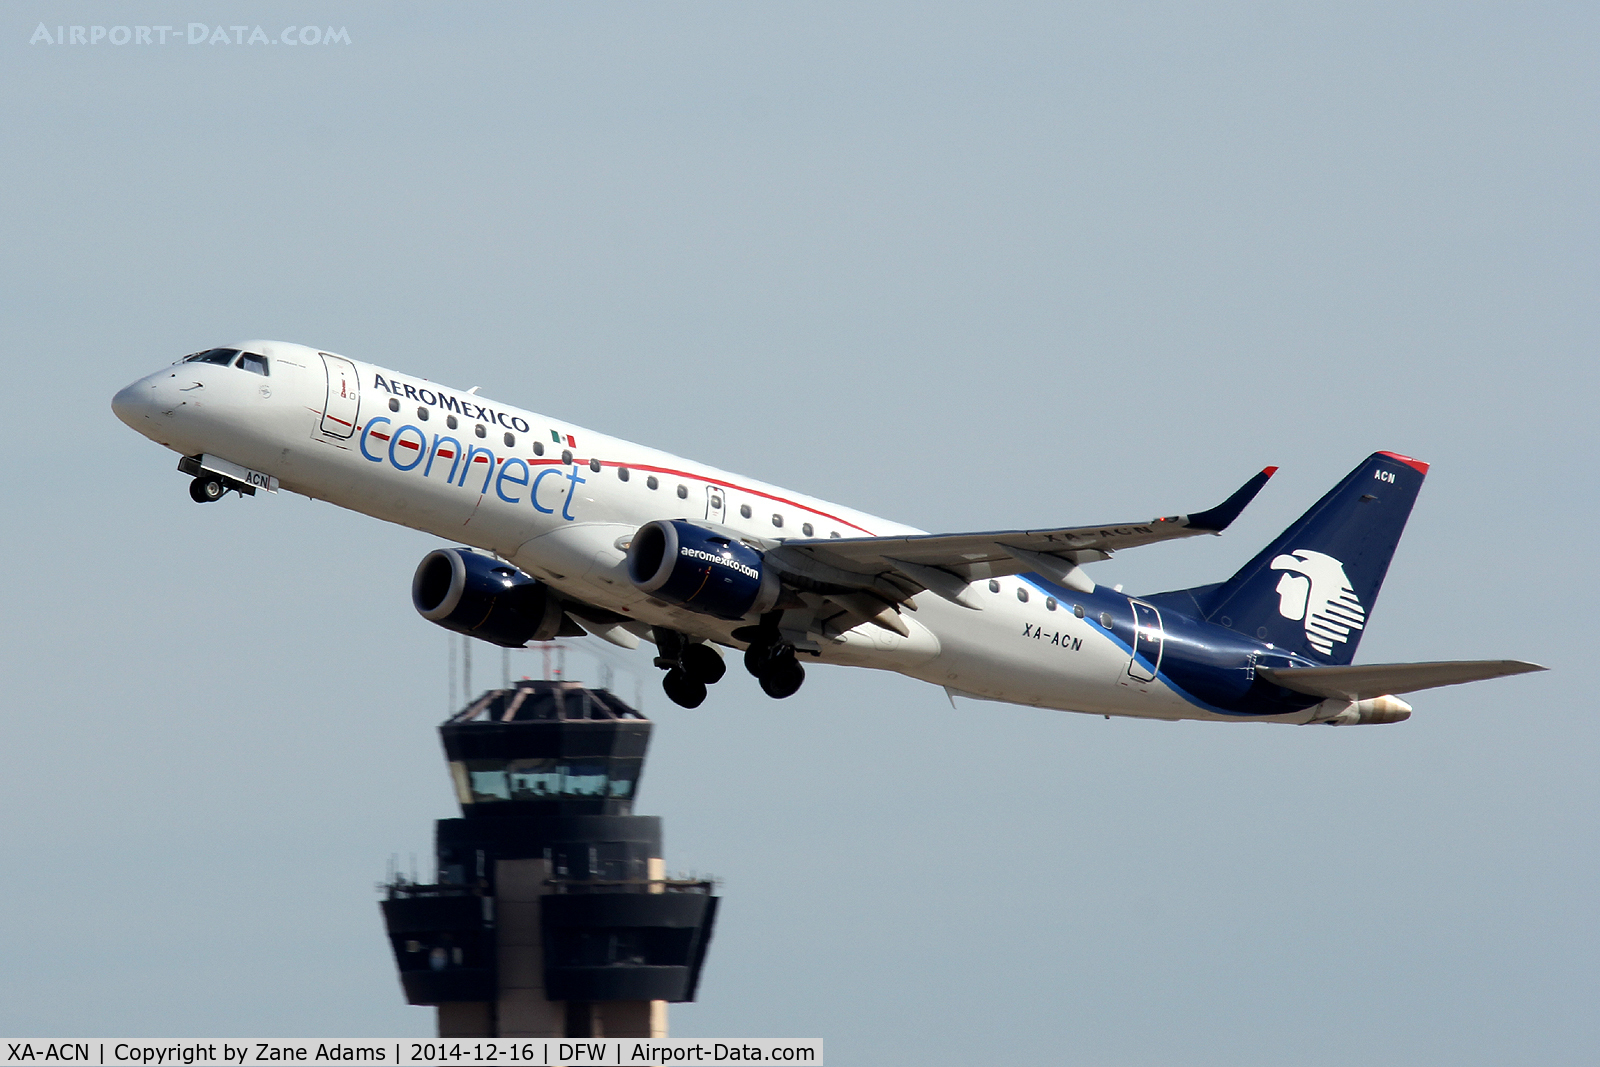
x=1310, y=591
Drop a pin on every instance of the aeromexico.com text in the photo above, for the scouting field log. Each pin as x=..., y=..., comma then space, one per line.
x=724, y=561
x=193, y=33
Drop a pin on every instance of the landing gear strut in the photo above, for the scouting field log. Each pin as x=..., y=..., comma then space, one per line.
x=205, y=489
x=690, y=667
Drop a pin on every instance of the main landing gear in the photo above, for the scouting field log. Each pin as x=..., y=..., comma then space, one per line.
x=772, y=662
x=205, y=489
x=690, y=667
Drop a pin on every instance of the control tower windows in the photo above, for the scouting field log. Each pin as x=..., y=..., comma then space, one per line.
x=547, y=779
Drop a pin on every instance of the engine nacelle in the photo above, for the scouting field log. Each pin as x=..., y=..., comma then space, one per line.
x=700, y=569
x=482, y=597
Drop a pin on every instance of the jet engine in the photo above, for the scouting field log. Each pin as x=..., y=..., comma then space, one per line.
x=482, y=597
x=701, y=569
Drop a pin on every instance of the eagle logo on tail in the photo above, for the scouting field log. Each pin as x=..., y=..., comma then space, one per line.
x=1318, y=592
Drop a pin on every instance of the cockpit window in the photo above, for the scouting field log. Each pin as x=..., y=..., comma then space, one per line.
x=253, y=363
x=223, y=356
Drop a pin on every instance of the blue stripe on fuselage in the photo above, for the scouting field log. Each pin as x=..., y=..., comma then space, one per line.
x=1220, y=659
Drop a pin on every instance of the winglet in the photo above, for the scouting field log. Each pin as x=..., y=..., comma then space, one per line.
x=1218, y=518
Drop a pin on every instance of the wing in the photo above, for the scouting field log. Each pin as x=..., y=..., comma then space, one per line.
x=1389, y=679
x=893, y=569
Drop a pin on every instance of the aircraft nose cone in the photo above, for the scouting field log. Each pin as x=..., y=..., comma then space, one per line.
x=134, y=403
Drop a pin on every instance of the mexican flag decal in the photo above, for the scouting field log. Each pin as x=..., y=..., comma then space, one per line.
x=568, y=440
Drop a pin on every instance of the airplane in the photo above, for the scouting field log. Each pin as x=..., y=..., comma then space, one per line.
x=561, y=531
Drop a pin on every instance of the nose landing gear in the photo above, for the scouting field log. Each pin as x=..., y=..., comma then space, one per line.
x=205, y=489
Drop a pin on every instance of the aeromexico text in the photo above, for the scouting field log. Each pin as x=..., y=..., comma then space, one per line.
x=467, y=408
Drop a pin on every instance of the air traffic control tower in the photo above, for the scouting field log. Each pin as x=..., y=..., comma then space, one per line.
x=552, y=915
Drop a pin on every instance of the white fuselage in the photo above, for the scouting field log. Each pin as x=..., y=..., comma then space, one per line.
x=561, y=502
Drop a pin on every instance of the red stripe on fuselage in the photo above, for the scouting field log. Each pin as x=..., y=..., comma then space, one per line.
x=482, y=458
x=710, y=481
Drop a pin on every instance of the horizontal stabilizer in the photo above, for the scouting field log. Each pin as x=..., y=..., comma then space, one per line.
x=1362, y=682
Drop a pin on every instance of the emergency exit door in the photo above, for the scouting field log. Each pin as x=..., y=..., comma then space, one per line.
x=716, y=504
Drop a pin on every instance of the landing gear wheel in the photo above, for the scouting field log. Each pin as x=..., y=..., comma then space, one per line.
x=683, y=690
x=702, y=663
x=782, y=677
x=205, y=490
x=756, y=657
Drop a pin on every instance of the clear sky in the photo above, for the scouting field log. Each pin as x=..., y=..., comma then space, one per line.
x=966, y=266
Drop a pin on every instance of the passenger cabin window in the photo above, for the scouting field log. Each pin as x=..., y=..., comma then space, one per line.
x=538, y=448
x=652, y=481
x=1050, y=603
x=510, y=440
x=806, y=529
x=744, y=509
x=480, y=431
x=1022, y=594
x=450, y=421
x=834, y=533
x=683, y=492
x=422, y=414
x=394, y=405
x=994, y=586
x=253, y=363
x=622, y=474
x=777, y=520
x=594, y=465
